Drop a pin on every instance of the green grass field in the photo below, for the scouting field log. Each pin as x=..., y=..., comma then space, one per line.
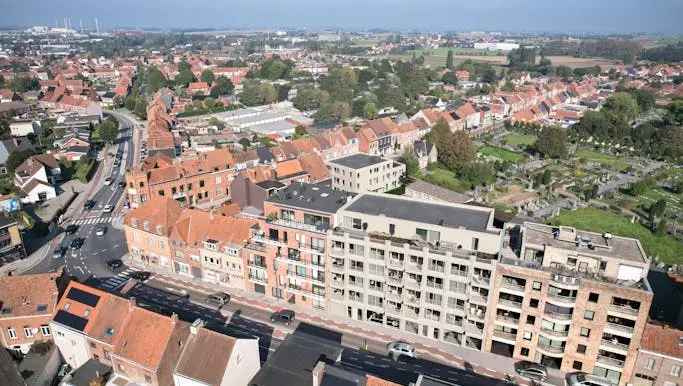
x=614, y=162
x=516, y=139
x=501, y=154
x=445, y=178
x=665, y=247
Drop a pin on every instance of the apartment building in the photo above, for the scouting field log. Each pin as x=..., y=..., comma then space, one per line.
x=359, y=173
x=287, y=259
x=204, y=180
x=416, y=266
x=197, y=244
x=26, y=306
x=11, y=243
x=660, y=357
x=570, y=299
x=146, y=348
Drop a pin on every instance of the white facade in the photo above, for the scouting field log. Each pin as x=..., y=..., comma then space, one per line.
x=21, y=128
x=71, y=344
x=498, y=46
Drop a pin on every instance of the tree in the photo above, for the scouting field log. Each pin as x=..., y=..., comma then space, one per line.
x=207, y=76
x=275, y=68
x=552, y=142
x=155, y=79
x=268, y=93
x=412, y=165
x=644, y=99
x=184, y=77
x=141, y=108
x=477, y=173
x=458, y=150
x=332, y=112
x=449, y=60
x=222, y=86
x=300, y=131
x=2, y=81
x=245, y=142
x=370, y=110
x=547, y=177
x=309, y=98
x=656, y=210
x=622, y=105
x=508, y=86
x=130, y=103
x=16, y=158
x=564, y=72
x=677, y=186
x=108, y=130
x=450, y=78
x=340, y=84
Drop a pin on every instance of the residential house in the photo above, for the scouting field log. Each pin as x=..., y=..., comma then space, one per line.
x=27, y=303
x=11, y=242
x=36, y=177
x=366, y=173
x=660, y=356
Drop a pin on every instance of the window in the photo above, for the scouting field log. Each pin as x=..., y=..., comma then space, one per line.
x=524, y=352
x=593, y=297
x=527, y=335
x=650, y=365
x=11, y=333
x=45, y=330
x=28, y=331
x=675, y=370
x=577, y=365
x=581, y=349
x=589, y=315
x=530, y=319
x=536, y=286
x=585, y=332
x=533, y=303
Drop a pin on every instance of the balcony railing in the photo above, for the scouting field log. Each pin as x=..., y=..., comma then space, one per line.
x=308, y=247
x=258, y=279
x=513, y=286
x=396, y=263
x=614, y=362
x=504, y=335
x=507, y=319
x=620, y=327
x=558, y=316
x=299, y=225
x=555, y=333
x=435, y=285
x=437, y=268
x=624, y=309
x=411, y=283
x=614, y=345
x=255, y=264
x=510, y=303
x=562, y=298
x=551, y=349
x=396, y=280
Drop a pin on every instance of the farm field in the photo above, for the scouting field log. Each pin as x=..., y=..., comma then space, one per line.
x=665, y=247
x=573, y=62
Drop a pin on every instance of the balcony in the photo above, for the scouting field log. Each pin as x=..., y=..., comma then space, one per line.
x=411, y=299
x=568, y=300
x=508, y=336
x=395, y=280
x=338, y=266
x=258, y=279
x=437, y=268
x=554, y=333
x=411, y=312
x=513, y=286
x=356, y=283
x=557, y=315
x=481, y=280
x=507, y=320
x=475, y=297
x=395, y=263
x=338, y=251
x=393, y=296
x=564, y=281
x=510, y=304
x=435, y=285
x=257, y=265
x=268, y=240
x=551, y=350
x=298, y=225
x=625, y=310
x=411, y=283
x=392, y=310
x=337, y=295
x=434, y=301
x=609, y=361
x=614, y=345
x=619, y=329
x=311, y=248
x=413, y=267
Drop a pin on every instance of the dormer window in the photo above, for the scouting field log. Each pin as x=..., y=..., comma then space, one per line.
x=211, y=244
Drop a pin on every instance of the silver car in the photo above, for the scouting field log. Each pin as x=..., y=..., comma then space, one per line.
x=532, y=370
x=585, y=379
x=398, y=349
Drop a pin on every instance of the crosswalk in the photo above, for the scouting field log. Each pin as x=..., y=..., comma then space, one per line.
x=117, y=281
x=96, y=220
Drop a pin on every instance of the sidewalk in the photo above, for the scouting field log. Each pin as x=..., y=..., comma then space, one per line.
x=478, y=361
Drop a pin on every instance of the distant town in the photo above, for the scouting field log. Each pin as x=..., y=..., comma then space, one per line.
x=333, y=208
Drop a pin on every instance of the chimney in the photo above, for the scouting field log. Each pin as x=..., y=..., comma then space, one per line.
x=196, y=325
x=318, y=373
x=174, y=318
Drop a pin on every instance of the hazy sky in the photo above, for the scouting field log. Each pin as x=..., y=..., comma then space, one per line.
x=605, y=16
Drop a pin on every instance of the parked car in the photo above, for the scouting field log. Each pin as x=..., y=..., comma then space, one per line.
x=115, y=263
x=101, y=230
x=76, y=243
x=398, y=349
x=218, y=298
x=71, y=229
x=107, y=181
x=282, y=316
x=58, y=253
x=108, y=208
x=531, y=370
x=140, y=275
x=585, y=379
x=89, y=204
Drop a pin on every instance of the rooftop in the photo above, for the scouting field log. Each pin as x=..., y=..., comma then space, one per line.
x=358, y=161
x=606, y=245
x=439, y=192
x=316, y=197
x=446, y=215
x=27, y=295
x=205, y=356
x=662, y=339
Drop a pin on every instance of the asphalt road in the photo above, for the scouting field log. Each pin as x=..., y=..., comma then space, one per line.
x=90, y=260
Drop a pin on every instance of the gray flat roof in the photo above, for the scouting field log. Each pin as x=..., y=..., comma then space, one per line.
x=316, y=197
x=425, y=212
x=358, y=161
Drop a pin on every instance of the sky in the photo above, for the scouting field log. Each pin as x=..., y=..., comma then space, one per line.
x=600, y=16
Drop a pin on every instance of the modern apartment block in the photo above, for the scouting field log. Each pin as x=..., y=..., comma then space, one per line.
x=361, y=173
x=288, y=258
x=419, y=267
x=570, y=299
